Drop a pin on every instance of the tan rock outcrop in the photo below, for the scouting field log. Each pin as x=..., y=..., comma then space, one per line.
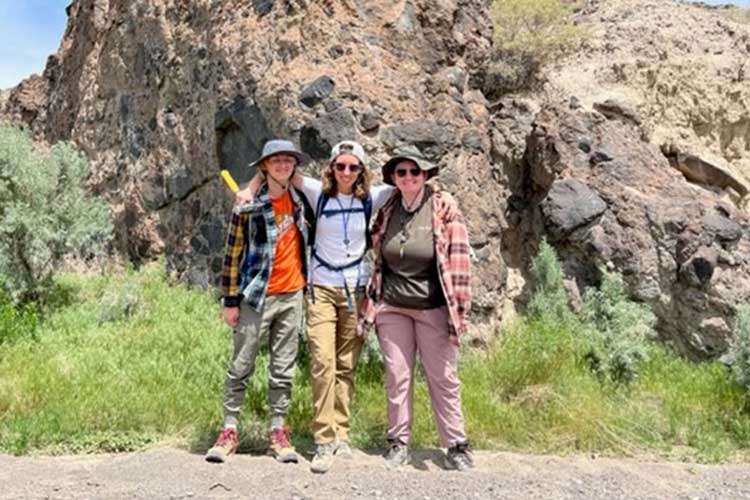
x=27, y=102
x=682, y=69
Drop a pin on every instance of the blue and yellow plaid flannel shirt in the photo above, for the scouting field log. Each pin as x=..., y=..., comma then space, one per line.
x=251, y=247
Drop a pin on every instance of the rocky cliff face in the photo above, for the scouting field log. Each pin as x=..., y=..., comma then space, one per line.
x=163, y=94
x=609, y=201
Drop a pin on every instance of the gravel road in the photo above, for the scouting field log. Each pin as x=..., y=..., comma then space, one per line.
x=168, y=473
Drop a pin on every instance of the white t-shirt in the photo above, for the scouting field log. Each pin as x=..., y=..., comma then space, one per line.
x=332, y=231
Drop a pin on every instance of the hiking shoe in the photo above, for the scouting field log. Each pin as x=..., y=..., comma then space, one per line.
x=459, y=457
x=396, y=455
x=323, y=458
x=225, y=445
x=343, y=450
x=280, y=447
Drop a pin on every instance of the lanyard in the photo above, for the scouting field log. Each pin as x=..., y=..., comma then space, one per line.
x=345, y=216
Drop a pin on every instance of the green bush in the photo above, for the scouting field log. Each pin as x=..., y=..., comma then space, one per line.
x=549, y=298
x=528, y=33
x=613, y=332
x=619, y=331
x=118, y=303
x=737, y=357
x=45, y=213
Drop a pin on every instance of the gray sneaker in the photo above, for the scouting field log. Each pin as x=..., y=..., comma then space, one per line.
x=396, y=455
x=323, y=459
x=343, y=450
x=459, y=457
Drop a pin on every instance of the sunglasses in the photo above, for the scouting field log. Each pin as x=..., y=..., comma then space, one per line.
x=414, y=171
x=353, y=167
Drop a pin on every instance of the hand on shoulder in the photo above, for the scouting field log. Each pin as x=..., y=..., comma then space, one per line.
x=447, y=206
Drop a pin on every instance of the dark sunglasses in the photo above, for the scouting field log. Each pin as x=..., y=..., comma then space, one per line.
x=414, y=171
x=353, y=167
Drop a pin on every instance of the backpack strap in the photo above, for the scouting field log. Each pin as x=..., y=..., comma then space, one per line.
x=322, y=200
x=367, y=205
x=331, y=267
x=367, y=209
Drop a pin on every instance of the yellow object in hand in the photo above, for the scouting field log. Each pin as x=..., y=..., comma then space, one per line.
x=229, y=181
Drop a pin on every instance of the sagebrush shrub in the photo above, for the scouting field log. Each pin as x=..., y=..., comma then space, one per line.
x=549, y=297
x=119, y=303
x=45, y=212
x=528, y=33
x=619, y=330
x=737, y=357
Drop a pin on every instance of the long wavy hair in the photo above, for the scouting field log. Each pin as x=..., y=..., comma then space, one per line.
x=361, y=186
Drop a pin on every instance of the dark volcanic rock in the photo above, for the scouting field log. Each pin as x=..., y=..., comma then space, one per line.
x=241, y=130
x=675, y=244
x=317, y=91
x=317, y=138
x=432, y=139
x=161, y=95
x=569, y=205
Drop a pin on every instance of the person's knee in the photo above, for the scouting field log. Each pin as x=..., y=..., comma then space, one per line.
x=240, y=371
x=323, y=369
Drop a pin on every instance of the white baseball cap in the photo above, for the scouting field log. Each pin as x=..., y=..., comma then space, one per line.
x=349, y=148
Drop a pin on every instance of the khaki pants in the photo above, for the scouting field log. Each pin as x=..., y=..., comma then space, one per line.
x=334, y=349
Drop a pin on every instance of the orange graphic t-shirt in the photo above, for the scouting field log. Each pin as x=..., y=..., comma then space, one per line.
x=286, y=275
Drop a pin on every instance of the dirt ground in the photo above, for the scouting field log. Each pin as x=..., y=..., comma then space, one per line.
x=168, y=473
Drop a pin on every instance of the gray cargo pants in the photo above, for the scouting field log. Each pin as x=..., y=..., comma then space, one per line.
x=280, y=319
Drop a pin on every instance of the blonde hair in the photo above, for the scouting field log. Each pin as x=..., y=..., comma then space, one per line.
x=361, y=186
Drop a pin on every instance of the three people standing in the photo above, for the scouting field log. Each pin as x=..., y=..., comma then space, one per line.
x=418, y=296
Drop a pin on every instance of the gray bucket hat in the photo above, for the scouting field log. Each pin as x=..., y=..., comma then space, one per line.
x=412, y=154
x=281, y=146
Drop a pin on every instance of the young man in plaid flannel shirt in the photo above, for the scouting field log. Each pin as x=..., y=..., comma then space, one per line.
x=263, y=279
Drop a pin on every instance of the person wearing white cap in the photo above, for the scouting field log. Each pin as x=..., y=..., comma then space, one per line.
x=343, y=202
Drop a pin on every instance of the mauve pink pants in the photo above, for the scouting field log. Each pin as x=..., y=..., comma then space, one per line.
x=402, y=333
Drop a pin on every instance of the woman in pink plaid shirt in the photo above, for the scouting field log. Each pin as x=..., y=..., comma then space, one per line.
x=418, y=296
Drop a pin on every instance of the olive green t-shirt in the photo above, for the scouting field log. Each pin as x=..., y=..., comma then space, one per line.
x=410, y=276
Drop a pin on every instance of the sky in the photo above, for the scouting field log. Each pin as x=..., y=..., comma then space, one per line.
x=743, y=3
x=31, y=30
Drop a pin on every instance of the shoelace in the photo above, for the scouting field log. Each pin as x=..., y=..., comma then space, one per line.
x=225, y=436
x=281, y=436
